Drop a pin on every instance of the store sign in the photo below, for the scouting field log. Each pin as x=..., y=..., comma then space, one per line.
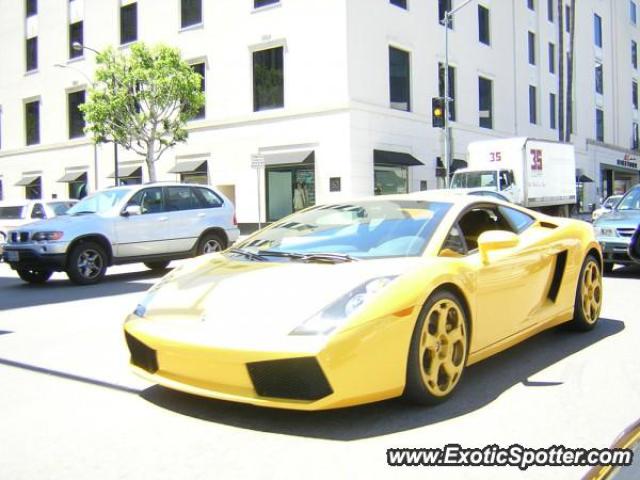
x=628, y=162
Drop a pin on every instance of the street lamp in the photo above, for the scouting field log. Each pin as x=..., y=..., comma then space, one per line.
x=448, y=17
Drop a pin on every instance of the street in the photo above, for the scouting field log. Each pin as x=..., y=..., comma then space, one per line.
x=71, y=409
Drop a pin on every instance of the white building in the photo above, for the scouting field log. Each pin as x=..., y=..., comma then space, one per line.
x=353, y=111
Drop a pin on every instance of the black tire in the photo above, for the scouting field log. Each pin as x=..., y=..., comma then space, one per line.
x=31, y=275
x=608, y=267
x=433, y=346
x=87, y=263
x=156, y=265
x=211, y=242
x=588, y=302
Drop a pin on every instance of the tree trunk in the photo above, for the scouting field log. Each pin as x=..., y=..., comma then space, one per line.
x=570, y=74
x=151, y=161
x=561, y=70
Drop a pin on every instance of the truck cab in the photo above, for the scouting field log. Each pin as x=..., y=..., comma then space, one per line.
x=495, y=180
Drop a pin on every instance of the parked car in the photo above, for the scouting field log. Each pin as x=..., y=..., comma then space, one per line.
x=152, y=223
x=615, y=228
x=608, y=205
x=360, y=301
x=16, y=214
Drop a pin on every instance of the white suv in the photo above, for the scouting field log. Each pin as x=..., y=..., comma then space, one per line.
x=153, y=223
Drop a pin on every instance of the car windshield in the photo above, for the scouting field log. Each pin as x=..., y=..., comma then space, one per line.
x=11, y=213
x=481, y=179
x=98, y=202
x=631, y=201
x=367, y=229
x=60, y=208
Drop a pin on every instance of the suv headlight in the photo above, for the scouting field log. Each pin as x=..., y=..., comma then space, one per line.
x=47, y=236
x=605, y=231
x=335, y=314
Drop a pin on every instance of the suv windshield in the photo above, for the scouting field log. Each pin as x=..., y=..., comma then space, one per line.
x=481, y=179
x=99, y=202
x=11, y=213
x=367, y=229
x=631, y=201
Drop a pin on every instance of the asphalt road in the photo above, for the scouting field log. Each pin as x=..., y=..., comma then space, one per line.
x=70, y=408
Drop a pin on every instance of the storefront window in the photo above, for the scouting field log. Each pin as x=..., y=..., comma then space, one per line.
x=289, y=189
x=390, y=179
x=78, y=188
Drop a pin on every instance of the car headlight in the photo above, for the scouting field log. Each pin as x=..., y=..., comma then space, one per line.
x=605, y=231
x=335, y=314
x=47, y=236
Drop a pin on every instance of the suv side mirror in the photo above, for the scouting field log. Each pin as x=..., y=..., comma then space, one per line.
x=495, y=240
x=132, y=210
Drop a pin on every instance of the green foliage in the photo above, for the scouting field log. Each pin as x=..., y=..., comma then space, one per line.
x=142, y=100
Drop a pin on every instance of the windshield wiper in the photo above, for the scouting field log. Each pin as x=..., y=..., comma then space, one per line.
x=248, y=254
x=310, y=257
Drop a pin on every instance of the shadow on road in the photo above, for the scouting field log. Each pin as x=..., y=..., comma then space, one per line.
x=483, y=383
x=17, y=294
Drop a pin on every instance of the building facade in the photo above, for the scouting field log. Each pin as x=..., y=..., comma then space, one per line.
x=334, y=97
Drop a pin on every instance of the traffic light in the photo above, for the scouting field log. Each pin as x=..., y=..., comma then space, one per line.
x=437, y=112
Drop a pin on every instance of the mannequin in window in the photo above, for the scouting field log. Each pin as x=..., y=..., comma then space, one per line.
x=299, y=196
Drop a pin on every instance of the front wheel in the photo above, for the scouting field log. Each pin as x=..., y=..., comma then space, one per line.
x=588, y=302
x=36, y=276
x=438, y=352
x=87, y=263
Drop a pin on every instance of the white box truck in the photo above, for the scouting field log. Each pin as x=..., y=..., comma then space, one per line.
x=537, y=174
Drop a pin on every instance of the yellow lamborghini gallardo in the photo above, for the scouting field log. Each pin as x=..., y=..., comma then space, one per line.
x=365, y=300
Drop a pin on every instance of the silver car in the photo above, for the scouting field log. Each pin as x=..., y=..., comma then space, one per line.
x=615, y=228
x=152, y=223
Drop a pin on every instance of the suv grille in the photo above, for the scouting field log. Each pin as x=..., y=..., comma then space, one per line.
x=625, y=232
x=19, y=237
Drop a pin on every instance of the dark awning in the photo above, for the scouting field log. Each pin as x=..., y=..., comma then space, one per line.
x=282, y=158
x=72, y=177
x=583, y=179
x=27, y=180
x=190, y=167
x=127, y=171
x=395, y=158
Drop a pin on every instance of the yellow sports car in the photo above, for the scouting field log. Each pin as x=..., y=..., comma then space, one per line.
x=365, y=300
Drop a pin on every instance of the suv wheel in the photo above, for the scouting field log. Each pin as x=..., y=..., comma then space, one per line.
x=211, y=242
x=31, y=275
x=156, y=265
x=87, y=263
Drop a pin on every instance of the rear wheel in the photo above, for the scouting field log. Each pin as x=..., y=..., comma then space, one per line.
x=87, y=263
x=210, y=243
x=156, y=265
x=588, y=295
x=438, y=352
x=32, y=275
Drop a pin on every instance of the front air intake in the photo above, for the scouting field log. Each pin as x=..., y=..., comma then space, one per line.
x=142, y=356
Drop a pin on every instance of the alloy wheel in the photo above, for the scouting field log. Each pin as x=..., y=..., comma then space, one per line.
x=90, y=264
x=591, y=292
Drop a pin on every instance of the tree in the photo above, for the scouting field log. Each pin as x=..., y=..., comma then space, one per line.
x=143, y=100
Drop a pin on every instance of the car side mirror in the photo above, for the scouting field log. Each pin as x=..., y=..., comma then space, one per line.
x=132, y=210
x=495, y=240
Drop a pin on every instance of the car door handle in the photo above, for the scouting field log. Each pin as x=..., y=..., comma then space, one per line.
x=163, y=219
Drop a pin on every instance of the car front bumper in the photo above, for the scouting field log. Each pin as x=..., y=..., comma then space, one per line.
x=615, y=250
x=48, y=256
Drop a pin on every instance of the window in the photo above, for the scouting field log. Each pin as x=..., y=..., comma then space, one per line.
x=31, y=8
x=32, y=122
x=599, y=79
x=479, y=220
x=128, y=23
x=149, y=200
x=552, y=58
x=399, y=79
x=635, y=138
x=597, y=30
x=550, y=10
x=633, y=12
x=33, y=191
x=531, y=5
x=485, y=102
x=634, y=54
x=533, y=105
x=567, y=18
x=264, y=3
x=191, y=12
x=77, y=188
x=181, y=198
x=32, y=53
x=599, y=124
x=0, y=133
x=76, y=118
x=532, y=48
x=76, y=35
x=484, y=34
x=518, y=220
x=452, y=88
x=634, y=94
x=1, y=191
x=552, y=111
x=38, y=211
x=208, y=199
x=268, y=79
x=399, y=3
x=443, y=7
x=199, y=68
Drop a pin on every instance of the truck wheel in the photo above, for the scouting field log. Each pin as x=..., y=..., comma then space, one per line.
x=31, y=275
x=87, y=263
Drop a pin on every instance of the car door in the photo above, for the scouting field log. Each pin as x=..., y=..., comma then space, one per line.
x=511, y=287
x=144, y=234
x=185, y=215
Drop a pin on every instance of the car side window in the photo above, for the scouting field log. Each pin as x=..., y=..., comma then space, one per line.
x=479, y=220
x=518, y=220
x=181, y=198
x=38, y=211
x=149, y=200
x=454, y=245
x=207, y=198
